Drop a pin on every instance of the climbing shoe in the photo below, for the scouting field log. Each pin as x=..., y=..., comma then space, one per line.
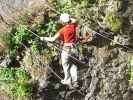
x=75, y=85
x=65, y=82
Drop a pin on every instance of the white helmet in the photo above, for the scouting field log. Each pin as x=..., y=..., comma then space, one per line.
x=65, y=17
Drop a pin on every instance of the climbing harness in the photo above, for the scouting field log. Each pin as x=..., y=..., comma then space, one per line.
x=75, y=59
x=78, y=90
x=93, y=34
x=70, y=55
x=94, y=31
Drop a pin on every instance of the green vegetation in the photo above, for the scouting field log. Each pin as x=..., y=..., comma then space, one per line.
x=7, y=74
x=114, y=22
x=18, y=35
x=50, y=28
x=20, y=90
x=15, y=83
x=102, y=1
x=21, y=75
x=131, y=70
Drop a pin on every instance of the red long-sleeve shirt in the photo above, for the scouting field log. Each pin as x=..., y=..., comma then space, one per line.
x=68, y=33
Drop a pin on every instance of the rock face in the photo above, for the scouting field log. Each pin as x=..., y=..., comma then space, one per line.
x=108, y=66
x=11, y=9
x=106, y=76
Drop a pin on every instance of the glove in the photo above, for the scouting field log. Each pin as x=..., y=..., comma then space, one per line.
x=42, y=38
x=73, y=20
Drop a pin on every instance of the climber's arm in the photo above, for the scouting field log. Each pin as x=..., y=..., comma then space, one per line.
x=51, y=39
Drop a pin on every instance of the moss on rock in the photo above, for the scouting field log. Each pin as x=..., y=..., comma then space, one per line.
x=113, y=21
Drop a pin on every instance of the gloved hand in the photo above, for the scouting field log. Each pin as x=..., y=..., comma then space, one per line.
x=73, y=20
x=42, y=38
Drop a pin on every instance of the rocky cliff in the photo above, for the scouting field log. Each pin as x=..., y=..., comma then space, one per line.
x=107, y=74
x=10, y=10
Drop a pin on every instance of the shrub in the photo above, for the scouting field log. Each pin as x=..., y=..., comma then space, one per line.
x=15, y=83
x=21, y=76
x=113, y=21
x=7, y=74
x=19, y=34
x=21, y=90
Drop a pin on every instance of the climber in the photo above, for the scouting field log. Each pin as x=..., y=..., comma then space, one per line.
x=68, y=34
